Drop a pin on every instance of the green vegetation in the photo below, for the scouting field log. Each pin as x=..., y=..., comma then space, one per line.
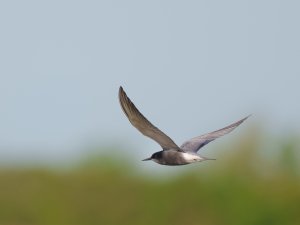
x=242, y=188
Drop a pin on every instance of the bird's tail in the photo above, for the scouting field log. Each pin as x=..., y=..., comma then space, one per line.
x=205, y=158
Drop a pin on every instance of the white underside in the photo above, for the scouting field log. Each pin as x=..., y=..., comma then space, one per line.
x=191, y=157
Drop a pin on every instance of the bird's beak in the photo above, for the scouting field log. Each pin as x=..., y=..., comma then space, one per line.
x=146, y=159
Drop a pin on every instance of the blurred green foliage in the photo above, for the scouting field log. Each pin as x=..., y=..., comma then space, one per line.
x=243, y=187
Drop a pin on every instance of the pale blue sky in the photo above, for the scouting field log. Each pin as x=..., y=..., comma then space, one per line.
x=190, y=66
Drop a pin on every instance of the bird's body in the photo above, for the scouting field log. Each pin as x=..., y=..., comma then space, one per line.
x=171, y=154
x=173, y=157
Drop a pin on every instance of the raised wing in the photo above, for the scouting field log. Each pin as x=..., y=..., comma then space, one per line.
x=194, y=144
x=143, y=125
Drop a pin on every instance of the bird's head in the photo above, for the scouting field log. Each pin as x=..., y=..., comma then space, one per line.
x=154, y=156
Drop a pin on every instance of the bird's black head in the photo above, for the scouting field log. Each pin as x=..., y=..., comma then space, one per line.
x=156, y=155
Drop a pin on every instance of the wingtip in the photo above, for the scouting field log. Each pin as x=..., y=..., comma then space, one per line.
x=242, y=120
x=121, y=91
x=247, y=117
x=120, y=95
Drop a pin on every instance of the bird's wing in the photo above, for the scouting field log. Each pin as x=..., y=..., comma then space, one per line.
x=143, y=125
x=194, y=144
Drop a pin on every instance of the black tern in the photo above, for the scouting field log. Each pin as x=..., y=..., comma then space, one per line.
x=171, y=154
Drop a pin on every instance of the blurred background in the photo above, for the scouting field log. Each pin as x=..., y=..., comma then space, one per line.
x=69, y=156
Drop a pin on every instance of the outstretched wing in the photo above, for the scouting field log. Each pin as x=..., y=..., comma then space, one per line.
x=194, y=144
x=143, y=125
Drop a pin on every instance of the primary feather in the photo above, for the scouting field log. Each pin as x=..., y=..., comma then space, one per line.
x=194, y=144
x=143, y=125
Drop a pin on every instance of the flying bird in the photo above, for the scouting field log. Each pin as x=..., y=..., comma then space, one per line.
x=171, y=154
